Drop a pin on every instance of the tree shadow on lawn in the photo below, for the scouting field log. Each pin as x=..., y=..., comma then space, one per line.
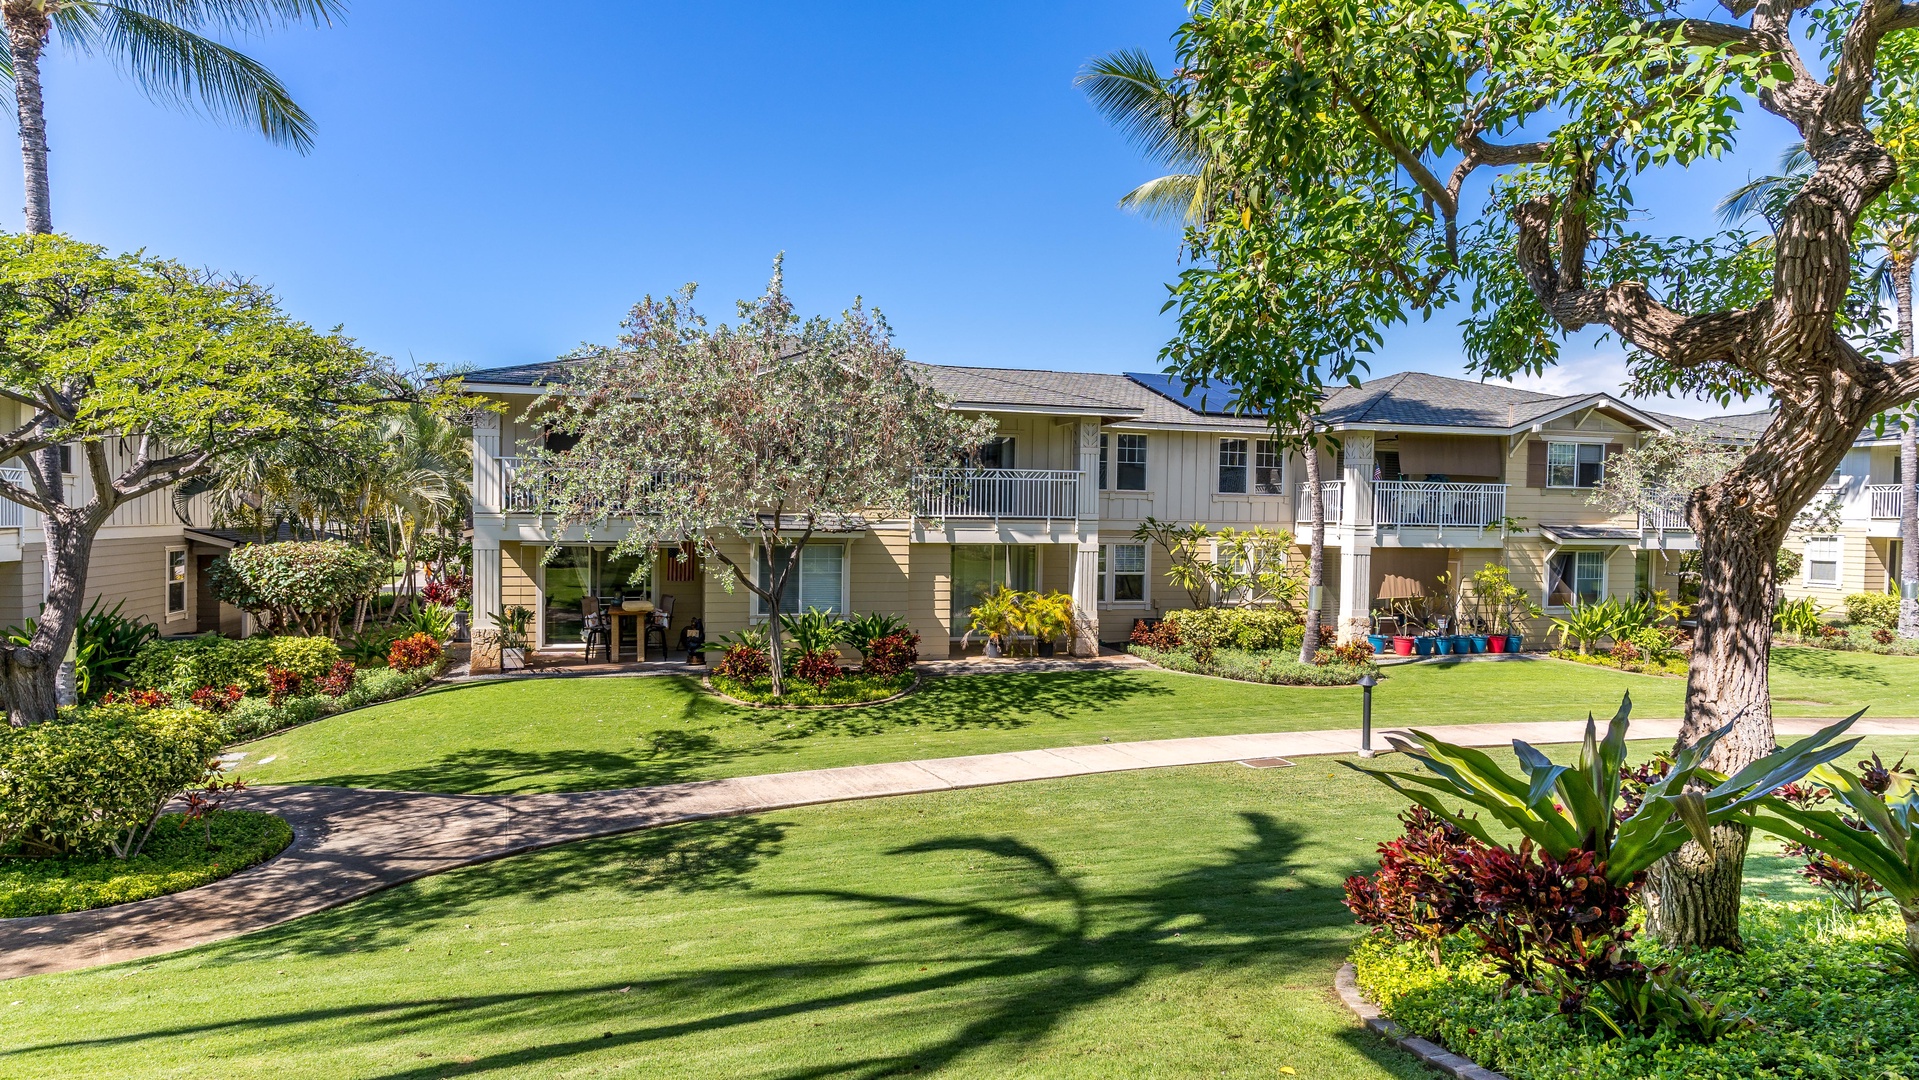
x=667, y=756
x=1024, y=961
x=966, y=702
x=1827, y=664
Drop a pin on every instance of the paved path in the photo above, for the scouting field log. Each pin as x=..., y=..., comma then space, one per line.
x=349, y=842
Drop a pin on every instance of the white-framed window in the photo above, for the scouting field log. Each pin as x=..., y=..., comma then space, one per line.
x=176, y=583
x=1269, y=472
x=1575, y=465
x=1129, y=462
x=1822, y=560
x=1122, y=573
x=819, y=581
x=1233, y=466
x=1575, y=575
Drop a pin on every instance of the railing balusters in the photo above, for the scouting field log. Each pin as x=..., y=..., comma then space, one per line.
x=1436, y=504
x=1888, y=500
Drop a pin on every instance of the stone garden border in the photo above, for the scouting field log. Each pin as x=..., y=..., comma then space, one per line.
x=1433, y=1054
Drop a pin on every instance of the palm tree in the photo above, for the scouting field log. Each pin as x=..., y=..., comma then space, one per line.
x=156, y=42
x=1894, y=225
x=1129, y=91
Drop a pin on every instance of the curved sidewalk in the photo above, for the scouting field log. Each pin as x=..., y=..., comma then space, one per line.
x=349, y=842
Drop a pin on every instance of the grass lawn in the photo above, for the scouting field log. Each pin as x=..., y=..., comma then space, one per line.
x=581, y=734
x=1181, y=922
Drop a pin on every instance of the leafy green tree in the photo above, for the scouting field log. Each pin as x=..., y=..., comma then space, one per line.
x=1375, y=161
x=770, y=431
x=159, y=43
x=150, y=374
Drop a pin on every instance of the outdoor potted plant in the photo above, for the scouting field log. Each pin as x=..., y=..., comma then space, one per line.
x=1380, y=642
x=1478, y=639
x=1049, y=618
x=997, y=616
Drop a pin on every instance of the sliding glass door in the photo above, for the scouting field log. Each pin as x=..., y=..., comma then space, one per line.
x=978, y=569
x=576, y=572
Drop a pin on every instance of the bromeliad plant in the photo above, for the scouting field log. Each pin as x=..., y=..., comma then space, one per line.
x=813, y=630
x=1566, y=809
x=861, y=631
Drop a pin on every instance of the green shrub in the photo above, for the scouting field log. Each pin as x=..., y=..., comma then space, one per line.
x=182, y=665
x=312, y=657
x=297, y=584
x=1276, y=668
x=853, y=689
x=1873, y=609
x=177, y=857
x=1250, y=629
x=95, y=779
x=256, y=716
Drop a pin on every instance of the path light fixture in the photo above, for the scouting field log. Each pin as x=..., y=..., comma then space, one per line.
x=1366, y=684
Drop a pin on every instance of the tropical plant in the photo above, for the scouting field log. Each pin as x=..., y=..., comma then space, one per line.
x=1877, y=835
x=297, y=585
x=1503, y=603
x=1251, y=629
x=429, y=619
x=1187, y=564
x=770, y=431
x=816, y=668
x=1631, y=616
x=861, y=631
x=997, y=615
x=413, y=652
x=515, y=625
x=813, y=630
x=750, y=636
x=1254, y=568
x=1423, y=890
x=1585, y=622
x=1048, y=617
x=891, y=656
x=1802, y=617
x=742, y=663
x=105, y=645
x=160, y=46
x=1873, y=609
x=1565, y=809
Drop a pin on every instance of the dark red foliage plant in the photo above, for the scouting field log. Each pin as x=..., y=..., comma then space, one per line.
x=1552, y=925
x=139, y=699
x=1159, y=636
x=891, y=655
x=413, y=652
x=338, y=679
x=818, y=668
x=217, y=700
x=282, y=684
x=1423, y=890
x=744, y=664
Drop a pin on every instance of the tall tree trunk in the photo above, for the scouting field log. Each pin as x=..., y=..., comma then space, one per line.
x=27, y=26
x=31, y=672
x=1315, y=554
x=1908, y=570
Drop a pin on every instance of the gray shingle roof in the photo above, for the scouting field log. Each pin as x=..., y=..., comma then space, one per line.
x=1034, y=389
x=1736, y=426
x=1420, y=399
x=531, y=375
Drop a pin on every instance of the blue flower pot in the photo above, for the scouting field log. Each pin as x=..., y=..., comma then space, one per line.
x=1443, y=645
x=1479, y=642
x=1515, y=643
x=1461, y=643
x=1425, y=646
x=1381, y=643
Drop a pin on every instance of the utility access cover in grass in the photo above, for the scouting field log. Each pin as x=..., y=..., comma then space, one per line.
x=1267, y=763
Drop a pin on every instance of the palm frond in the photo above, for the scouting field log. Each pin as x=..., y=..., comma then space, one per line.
x=1129, y=92
x=1179, y=198
x=175, y=66
x=236, y=16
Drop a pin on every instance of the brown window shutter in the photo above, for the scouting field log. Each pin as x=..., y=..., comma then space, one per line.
x=1535, y=463
x=1614, y=448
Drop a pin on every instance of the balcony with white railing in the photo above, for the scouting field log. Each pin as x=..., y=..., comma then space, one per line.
x=1663, y=521
x=1332, y=493
x=997, y=494
x=1888, y=501
x=510, y=494
x=1436, y=504
x=12, y=514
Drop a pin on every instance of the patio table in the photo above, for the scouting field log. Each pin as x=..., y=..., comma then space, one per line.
x=615, y=611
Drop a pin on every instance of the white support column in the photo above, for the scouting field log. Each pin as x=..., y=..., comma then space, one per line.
x=1356, y=538
x=487, y=487
x=1086, y=558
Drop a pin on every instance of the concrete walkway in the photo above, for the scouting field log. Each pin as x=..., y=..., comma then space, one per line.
x=350, y=842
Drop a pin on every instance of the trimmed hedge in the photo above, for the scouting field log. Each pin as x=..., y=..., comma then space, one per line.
x=1275, y=668
x=182, y=665
x=1250, y=629
x=95, y=779
x=255, y=716
x=1879, y=610
x=177, y=857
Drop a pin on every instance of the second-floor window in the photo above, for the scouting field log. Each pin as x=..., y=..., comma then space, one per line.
x=1268, y=471
x=1127, y=471
x=996, y=453
x=1575, y=465
x=1232, y=466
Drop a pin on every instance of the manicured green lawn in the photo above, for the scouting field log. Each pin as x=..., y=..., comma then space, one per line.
x=579, y=734
x=1180, y=922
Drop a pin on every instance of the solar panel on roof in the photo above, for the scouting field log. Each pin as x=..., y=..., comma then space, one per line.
x=1216, y=399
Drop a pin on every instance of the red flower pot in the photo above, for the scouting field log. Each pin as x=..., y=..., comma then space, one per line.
x=1496, y=643
x=1403, y=646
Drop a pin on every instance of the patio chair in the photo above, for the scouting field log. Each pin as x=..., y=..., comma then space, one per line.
x=593, y=629
x=656, y=626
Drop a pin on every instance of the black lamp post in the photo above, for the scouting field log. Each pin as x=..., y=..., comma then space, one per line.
x=1366, y=684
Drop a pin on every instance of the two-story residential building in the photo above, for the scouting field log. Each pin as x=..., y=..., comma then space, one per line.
x=1431, y=475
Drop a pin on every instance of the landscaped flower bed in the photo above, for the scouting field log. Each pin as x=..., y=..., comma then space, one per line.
x=1823, y=997
x=1637, y=664
x=177, y=856
x=1270, y=666
x=1248, y=645
x=850, y=688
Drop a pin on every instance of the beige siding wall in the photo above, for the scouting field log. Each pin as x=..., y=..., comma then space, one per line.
x=1564, y=506
x=878, y=565
x=1182, y=480
x=1862, y=568
x=519, y=570
x=929, y=598
x=131, y=568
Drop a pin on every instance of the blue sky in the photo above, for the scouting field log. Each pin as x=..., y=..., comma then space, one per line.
x=496, y=184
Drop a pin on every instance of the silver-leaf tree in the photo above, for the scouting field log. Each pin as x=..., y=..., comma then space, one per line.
x=771, y=430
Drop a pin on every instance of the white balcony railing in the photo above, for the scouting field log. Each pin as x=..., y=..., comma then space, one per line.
x=512, y=495
x=1888, y=500
x=1332, y=493
x=12, y=514
x=1663, y=521
x=1032, y=494
x=1438, y=505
